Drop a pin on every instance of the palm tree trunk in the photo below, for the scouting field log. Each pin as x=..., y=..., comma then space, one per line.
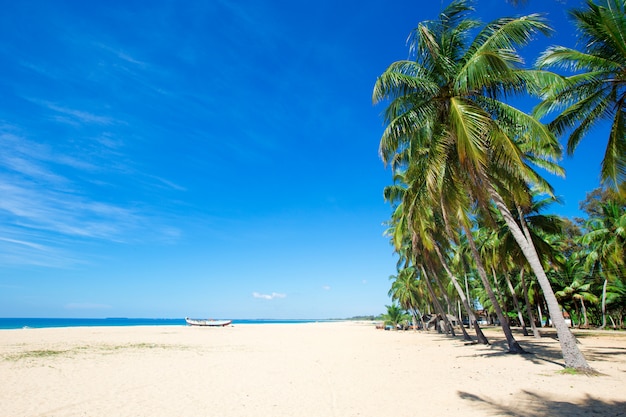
x=571, y=354
x=414, y=318
x=470, y=313
x=531, y=316
x=422, y=319
x=436, y=302
x=546, y=312
x=514, y=346
x=496, y=290
x=603, y=305
x=516, y=305
x=582, y=304
x=449, y=304
x=467, y=291
x=466, y=335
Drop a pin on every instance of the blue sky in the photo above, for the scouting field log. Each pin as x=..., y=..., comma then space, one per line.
x=219, y=159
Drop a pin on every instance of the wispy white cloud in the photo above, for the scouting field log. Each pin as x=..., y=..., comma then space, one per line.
x=120, y=54
x=64, y=212
x=326, y=287
x=168, y=184
x=75, y=115
x=51, y=197
x=268, y=296
x=31, y=169
x=35, y=160
x=24, y=243
x=19, y=247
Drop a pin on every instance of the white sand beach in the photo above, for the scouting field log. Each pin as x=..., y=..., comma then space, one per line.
x=315, y=369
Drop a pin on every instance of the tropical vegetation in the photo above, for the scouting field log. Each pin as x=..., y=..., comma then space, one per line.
x=469, y=218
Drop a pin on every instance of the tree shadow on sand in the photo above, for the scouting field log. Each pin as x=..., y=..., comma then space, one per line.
x=547, y=349
x=535, y=352
x=529, y=404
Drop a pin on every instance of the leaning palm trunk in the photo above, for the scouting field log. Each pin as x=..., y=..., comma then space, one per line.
x=421, y=317
x=496, y=290
x=531, y=315
x=604, y=304
x=546, y=311
x=571, y=354
x=450, y=306
x=437, y=304
x=414, y=314
x=584, y=310
x=516, y=305
x=466, y=335
x=540, y=315
x=470, y=313
x=514, y=346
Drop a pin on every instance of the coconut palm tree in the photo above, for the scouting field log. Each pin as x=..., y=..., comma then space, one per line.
x=405, y=289
x=394, y=315
x=576, y=289
x=411, y=216
x=445, y=105
x=546, y=234
x=605, y=241
x=597, y=90
x=502, y=264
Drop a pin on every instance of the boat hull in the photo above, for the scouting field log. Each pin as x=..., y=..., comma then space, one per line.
x=207, y=322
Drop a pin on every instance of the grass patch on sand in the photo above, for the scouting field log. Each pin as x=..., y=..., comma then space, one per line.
x=101, y=349
x=36, y=354
x=574, y=371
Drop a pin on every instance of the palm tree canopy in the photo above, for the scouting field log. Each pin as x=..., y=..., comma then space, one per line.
x=597, y=90
x=606, y=240
x=445, y=106
x=394, y=315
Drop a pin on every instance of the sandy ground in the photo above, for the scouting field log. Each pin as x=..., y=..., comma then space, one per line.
x=315, y=369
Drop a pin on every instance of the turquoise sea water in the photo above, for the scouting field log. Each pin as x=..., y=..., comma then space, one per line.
x=37, y=323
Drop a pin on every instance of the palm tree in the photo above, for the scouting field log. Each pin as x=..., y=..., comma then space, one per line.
x=606, y=243
x=529, y=308
x=406, y=291
x=597, y=92
x=546, y=232
x=501, y=259
x=394, y=315
x=576, y=289
x=445, y=107
x=463, y=297
x=418, y=221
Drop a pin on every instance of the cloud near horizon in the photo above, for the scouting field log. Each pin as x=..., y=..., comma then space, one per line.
x=268, y=296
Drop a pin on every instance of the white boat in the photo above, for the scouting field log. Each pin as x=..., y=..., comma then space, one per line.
x=207, y=322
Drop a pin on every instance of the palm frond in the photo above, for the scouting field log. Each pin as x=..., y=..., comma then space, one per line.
x=509, y=33
x=614, y=163
x=469, y=124
x=573, y=60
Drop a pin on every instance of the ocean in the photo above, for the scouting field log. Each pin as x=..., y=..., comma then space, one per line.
x=38, y=323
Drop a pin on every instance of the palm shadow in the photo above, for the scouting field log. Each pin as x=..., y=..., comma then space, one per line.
x=534, y=352
x=546, y=350
x=530, y=404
